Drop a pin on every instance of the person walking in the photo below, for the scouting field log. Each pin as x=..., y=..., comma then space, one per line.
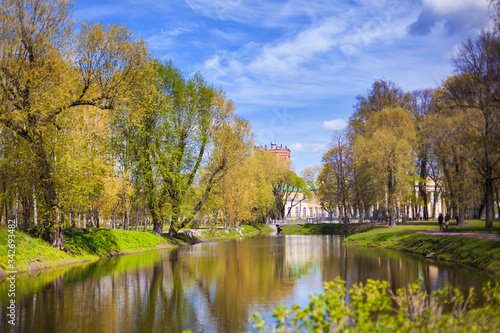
x=447, y=221
x=440, y=220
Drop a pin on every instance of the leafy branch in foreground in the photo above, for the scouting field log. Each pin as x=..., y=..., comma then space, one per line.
x=375, y=308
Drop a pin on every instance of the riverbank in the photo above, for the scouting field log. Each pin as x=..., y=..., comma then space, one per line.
x=483, y=254
x=462, y=245
x=327, y=229
x=82, y=245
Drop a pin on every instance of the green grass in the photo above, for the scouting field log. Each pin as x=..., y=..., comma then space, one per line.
x=477, y=253
x=326, y=229
x=32, y=253
x=473, y=226
x=107, y=242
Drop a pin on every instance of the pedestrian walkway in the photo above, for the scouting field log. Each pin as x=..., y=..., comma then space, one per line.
x=461, y=234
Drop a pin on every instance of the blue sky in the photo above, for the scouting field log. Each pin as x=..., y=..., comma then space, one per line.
x=294, y=67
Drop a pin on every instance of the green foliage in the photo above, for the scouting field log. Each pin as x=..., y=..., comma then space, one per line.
x=109, y=241
x=373, y=307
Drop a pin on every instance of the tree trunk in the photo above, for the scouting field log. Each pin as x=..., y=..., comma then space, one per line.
x=422, y=186
x=497, y=197
x=490, y=202
x=481, y=208
x=57, y=238
x=49, y=195
x=390, y=201
x=35, y=208
x=136, y=218
x=461, y=218
x=434, y=202
x=126, y=220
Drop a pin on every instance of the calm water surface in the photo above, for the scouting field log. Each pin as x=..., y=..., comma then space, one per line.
x=209, y=287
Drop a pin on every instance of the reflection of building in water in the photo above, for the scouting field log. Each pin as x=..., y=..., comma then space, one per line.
x=299, y=252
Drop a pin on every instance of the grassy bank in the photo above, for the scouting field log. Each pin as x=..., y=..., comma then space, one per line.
x=91, y=244
x=326, y=229
x=476, y=253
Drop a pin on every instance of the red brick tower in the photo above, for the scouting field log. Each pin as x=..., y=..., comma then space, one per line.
x=280, y=152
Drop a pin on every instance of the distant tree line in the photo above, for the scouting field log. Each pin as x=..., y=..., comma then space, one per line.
x=395, y=139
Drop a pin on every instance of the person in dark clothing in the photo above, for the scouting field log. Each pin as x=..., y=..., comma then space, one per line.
x=447, y=221
x=440, y=220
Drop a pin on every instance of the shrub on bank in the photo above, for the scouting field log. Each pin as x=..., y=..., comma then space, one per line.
x=375, y=308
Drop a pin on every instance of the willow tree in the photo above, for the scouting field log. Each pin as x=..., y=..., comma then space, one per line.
x=45, y=70
x=234, y=195
x=388, y=151
x=265, y=168
x=181, y=136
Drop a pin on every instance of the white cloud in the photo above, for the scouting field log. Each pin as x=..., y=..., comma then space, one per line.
x=287, y=56
x=319, y=147
x=445, y=7
x=334, y=125
x=452, y=16
x=297, y=147
x=305, y=64
x=276, y=13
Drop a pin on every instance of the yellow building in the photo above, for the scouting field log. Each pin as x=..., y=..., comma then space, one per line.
x=310, y=208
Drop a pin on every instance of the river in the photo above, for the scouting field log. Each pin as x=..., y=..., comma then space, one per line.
x=208, y=287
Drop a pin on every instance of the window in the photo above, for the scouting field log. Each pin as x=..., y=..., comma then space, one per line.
x=297, y=212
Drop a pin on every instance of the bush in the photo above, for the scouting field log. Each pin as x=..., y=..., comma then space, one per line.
x=375, y=308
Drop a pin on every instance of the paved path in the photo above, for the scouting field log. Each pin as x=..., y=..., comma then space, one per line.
x=461, y=234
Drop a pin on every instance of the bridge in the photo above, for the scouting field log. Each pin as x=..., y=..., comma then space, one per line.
x=300, y=221
x=272, y=222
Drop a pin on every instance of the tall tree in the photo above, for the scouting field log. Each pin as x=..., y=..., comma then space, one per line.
x=236, y=191
x=310, y=176
x=475, y=93
x=46, y=69
x=422, y=106
x=182, y=134
x=336, y=177
x=383, y=94
x=388, y=150
x=288, y=187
